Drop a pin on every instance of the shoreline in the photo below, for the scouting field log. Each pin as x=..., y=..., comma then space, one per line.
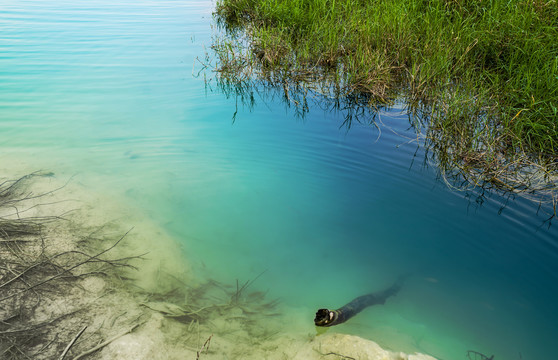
x=136, y=299
x=485, y=113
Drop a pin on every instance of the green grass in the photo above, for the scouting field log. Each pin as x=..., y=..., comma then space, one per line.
x=482, y=75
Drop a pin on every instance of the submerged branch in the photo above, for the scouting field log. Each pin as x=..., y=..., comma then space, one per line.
x=105, y=343
x=36, y=275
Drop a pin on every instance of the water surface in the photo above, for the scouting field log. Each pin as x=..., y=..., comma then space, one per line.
x=104, y=89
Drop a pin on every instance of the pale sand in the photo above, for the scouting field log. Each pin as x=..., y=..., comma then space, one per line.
x=163, y=310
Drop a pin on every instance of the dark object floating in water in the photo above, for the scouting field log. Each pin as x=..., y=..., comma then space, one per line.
x=326, y=317
x=478, y=356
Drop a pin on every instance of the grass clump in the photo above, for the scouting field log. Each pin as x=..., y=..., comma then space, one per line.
x=480, y=76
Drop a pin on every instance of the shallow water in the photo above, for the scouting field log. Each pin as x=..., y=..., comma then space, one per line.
x=104, y=90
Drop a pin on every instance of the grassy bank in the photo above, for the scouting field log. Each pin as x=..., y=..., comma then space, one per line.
x=482, y=76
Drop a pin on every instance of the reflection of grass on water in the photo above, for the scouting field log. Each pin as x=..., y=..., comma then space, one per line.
x=481, y=77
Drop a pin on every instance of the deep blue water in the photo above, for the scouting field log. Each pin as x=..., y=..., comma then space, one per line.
x=105, y=89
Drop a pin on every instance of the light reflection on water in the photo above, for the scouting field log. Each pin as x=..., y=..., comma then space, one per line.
x=106, y=90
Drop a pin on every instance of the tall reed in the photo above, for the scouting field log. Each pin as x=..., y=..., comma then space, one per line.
x=481, y=75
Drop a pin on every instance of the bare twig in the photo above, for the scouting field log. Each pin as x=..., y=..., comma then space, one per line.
x=105, y=343
x=205, y=347
x=72, y=343
x=238, y=293
x=67, y=270
x=337, y=354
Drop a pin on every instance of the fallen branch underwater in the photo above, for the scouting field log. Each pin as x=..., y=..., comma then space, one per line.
x=90, y=258
x=72, y=343
x=205, y=347
x=34, y=275
x=105, y=343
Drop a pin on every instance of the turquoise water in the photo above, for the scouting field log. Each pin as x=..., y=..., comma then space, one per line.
x=104, y=89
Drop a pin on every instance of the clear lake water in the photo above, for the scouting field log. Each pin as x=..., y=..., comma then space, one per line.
x=107, y=90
